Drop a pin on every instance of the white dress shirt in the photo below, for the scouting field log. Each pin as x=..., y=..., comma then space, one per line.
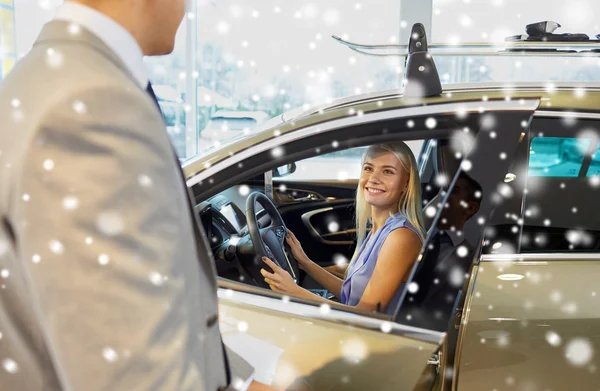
x=115, y=36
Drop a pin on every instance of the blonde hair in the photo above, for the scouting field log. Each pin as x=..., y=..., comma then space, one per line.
x=410, y=201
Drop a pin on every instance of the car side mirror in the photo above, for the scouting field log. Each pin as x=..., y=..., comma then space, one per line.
x=283, y=171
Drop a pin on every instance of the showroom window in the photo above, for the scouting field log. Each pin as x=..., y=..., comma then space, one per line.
x=8, y=50
x=461, y=21
x=264, y=58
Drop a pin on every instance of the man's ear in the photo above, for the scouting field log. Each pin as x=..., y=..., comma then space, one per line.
x=472, y=208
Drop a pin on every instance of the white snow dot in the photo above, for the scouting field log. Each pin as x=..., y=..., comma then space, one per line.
x=223, y=27
x=462, y=251
x=333, y=226
x=413, y=287
x=70, y=203
x=285, y=299
x=79, y=107
x=579, y=352
x=430, y=123
x=10, y=366
x=466, y=165
x=144, y=180
x=103, y=259
x=36, y=258
x=594, y=181
x=4, y=273
x=110, y=223
x=110, y=354
x=56, y=247
x=244, y=190
x=410, y=123
x=335, y=144
x=242, y=326
x=457, y=277
x=74, y=29
x=556, y=296
x=156, y=278
x=386, y=327
x=54, y=58
x=492, y=134
x=277, y=152
x=48, y=164
x=26, y=197
x=553, y=338
x=324, y=308
x=15, y=103
x=547, y=222
x=502, y=155
x=355, y=350
x=430, y=211
x=340, y=260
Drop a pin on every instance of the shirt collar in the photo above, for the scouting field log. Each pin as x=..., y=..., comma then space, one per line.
x=115, y=36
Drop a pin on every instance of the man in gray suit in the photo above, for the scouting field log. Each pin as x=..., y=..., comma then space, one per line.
x=105, y=279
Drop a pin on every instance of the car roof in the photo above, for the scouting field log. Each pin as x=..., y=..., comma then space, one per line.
x=555, y=97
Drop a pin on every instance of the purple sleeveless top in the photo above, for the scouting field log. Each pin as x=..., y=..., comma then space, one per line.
x=362, y=268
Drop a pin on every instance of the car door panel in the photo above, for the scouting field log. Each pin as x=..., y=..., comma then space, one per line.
x=533, y=320
x=314, y=349
x=250, y=314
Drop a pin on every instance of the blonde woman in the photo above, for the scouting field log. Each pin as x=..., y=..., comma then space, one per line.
x=388, y=196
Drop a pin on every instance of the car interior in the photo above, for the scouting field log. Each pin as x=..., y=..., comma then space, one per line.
x=319, y=212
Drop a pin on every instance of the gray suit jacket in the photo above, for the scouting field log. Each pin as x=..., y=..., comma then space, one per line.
x=103, y=283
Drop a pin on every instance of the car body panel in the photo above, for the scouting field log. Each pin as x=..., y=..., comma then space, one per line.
x=538, y=330
x=285, y=341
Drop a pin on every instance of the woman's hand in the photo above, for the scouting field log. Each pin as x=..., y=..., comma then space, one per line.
x=296, y=249
x=280, y=280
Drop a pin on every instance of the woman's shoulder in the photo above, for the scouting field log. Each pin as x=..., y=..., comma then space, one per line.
x=399, y=220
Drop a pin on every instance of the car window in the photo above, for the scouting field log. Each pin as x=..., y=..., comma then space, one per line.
x=594, y=169
x=557, y=156
x=552, y=208
x=339, y=165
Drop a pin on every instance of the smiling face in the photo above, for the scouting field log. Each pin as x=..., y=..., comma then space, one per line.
x=383, y=180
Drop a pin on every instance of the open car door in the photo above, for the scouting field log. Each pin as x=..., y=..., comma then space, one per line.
x=300, y=344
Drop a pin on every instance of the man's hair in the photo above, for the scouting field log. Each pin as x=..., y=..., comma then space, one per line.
x=474, y=187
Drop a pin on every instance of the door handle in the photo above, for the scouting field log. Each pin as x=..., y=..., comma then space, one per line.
x=436, y=360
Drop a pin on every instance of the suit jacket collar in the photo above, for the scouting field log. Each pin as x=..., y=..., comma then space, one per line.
x=63, y=32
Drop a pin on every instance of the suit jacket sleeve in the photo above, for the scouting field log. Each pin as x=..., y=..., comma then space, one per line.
x=109, y=252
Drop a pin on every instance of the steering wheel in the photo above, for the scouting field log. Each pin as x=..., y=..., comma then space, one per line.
x=268, y=241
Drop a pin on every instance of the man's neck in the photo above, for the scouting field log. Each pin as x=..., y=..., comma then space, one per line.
x=122, y=12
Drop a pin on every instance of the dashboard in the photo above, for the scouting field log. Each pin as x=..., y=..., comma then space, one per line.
x=226, y=229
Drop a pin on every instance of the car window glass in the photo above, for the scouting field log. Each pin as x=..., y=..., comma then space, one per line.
x=555, y=185
x=557, y=156
x=594, y=169
x=339, y=165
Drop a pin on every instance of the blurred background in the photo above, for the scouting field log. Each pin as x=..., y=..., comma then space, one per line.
x=239, y=63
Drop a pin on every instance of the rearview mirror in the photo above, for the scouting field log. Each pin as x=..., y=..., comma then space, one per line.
x=286, y=170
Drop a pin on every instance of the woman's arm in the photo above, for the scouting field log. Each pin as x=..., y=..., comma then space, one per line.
x=395, y=261
x=336, y=270
x=327, y=280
